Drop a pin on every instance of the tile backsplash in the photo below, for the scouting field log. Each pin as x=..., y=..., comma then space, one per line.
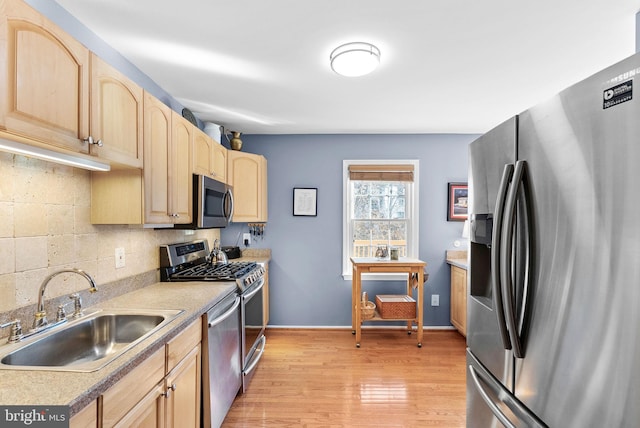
x=45, y=226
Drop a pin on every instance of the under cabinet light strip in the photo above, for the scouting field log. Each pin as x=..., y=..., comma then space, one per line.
x=52, y=156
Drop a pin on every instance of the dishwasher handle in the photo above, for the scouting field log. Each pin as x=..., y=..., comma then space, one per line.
x=227, y=314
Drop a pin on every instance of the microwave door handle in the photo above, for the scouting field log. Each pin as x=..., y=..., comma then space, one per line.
x=228, y=196
x=496, y=262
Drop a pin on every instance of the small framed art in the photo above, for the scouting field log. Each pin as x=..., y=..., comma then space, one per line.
x=305, y=201
x=458, y=206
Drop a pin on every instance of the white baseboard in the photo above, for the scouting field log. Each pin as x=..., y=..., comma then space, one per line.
x=364, y=327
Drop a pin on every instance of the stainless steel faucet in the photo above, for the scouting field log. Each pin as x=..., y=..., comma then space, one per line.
x=40, y=321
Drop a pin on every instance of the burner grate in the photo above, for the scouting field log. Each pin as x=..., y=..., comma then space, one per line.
x=211, y=272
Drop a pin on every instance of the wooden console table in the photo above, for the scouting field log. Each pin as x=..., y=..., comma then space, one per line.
x=371, y=265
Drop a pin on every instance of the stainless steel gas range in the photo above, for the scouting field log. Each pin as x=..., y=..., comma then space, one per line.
x=192, y=261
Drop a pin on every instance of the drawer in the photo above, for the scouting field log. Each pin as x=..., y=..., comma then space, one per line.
x=133, y=387
x=183, y=343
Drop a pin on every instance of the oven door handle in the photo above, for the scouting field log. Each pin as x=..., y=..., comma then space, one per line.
x=257, y=356
x=254, y=292
x=227, y=314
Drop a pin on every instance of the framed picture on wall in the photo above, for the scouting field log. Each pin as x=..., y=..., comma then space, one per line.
x=305, y=201
x=458, y=207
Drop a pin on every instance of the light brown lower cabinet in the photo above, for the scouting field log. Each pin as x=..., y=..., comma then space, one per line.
x=459, y=299
x=182, y=387
x=86, y=418
x=148, y=412
x=163, y=391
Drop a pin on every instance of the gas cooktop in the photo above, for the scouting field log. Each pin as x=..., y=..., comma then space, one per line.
x=209, y=272
x=190, y=262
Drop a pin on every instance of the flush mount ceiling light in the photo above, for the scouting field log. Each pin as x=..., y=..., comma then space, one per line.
x=355, y=59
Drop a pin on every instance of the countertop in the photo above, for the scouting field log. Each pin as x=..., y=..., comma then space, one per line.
x=458, y=258
x=37, y=387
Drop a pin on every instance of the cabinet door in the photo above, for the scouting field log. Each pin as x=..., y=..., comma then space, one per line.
x=157, y=137
x=263, y=190
x=44, y=79
x=202, y=153
x=116, y=115
x=459, y=299
x=219, y=162
x=247, y=176
x=148, y=412
x=183, y=388
x=180, y=182
x=85, y=418
x=140, y=384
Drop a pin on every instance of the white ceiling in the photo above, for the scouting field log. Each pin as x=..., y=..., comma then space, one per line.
x=449, y=66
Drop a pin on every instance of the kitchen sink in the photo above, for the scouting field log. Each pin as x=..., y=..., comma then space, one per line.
x=86, y=344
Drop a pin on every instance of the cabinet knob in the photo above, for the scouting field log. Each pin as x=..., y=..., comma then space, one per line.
x=167, y=393
x=91, y=141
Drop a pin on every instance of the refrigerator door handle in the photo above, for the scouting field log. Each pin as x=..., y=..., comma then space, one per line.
x=496, y=262
x=506, y=253
x=485, y=397
x=517, y=408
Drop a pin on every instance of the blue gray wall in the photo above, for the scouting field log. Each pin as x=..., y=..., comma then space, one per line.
x=306, y=285
x=307, y=288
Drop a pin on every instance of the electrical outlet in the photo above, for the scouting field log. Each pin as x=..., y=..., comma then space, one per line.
x=435, y=300
x=246, y=237
x=119, y=253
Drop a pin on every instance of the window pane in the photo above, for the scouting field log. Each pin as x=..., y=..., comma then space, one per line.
x=361, y=230
x=361, y=207
x=398, y=232
x=360, y=187
x=397, y=207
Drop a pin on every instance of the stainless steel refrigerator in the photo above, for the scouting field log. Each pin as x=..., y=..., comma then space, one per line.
x=554, y=290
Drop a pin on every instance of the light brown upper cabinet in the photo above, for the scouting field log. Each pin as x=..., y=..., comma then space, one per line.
x=116, y=115
x=247, y=174
x=160, y=193
x=202, y=153
x=219, y=162
x=180, y=181
x=167, y=166
x=209, y=156
x=44, y=80
x=56, y=93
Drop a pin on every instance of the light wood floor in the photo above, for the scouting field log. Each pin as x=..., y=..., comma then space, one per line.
x=318, y=378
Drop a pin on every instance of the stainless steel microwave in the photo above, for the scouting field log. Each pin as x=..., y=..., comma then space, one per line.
x=212, y=204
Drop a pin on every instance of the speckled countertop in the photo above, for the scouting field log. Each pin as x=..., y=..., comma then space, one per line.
x=36, y=387
x=458, y=258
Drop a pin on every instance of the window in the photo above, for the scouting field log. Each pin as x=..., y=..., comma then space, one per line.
x=380, y=208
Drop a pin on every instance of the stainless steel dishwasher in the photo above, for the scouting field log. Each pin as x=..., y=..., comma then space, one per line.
x=221, y=360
